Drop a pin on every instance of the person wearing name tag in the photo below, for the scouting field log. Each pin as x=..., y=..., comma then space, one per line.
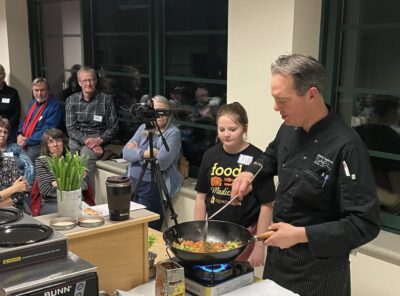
x=326, y=202
x=24, y=163
x=44, y=111
x=10, y=105
x=13, y=185
x=91, y=120
x=220, y=166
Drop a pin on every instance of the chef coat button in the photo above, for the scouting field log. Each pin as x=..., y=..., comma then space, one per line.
x=305, y=157
x=315, y=141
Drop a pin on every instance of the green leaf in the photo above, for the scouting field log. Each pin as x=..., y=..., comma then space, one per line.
x=68, y=170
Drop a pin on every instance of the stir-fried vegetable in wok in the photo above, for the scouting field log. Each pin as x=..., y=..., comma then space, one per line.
x=205, y=247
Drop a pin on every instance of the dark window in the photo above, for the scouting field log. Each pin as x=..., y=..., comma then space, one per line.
x=364, y=87
x=176, y=48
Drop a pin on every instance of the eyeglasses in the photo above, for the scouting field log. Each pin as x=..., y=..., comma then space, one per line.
x=87, y=81
x=54, y=141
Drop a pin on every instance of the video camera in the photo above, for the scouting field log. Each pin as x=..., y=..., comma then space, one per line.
x=145, y=112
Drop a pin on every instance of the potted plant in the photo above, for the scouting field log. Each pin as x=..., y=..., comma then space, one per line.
x=69, y=171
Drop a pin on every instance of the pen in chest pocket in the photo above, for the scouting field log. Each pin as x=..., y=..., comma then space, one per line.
x=346, y=169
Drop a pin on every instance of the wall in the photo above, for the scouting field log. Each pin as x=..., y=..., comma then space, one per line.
x=372, y=277
x=258, y=32
x=16, y=56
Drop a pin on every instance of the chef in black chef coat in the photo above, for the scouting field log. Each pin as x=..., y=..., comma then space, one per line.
x=326, y=203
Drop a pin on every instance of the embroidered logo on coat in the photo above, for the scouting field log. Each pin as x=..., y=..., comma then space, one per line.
x=323, y=162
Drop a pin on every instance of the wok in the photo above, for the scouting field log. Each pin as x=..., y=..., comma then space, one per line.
x=218, y=231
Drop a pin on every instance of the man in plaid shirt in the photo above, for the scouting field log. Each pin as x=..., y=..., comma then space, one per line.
x=91, y=119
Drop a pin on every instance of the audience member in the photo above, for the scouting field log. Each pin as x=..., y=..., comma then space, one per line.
x=43, y=112
x=202, y=98
x=12, y=184
x=53, y=144
x=72, y=83
x=24, y=164
x=219, y=167
x=379, y=136
x=91, y=120
x=137, y=150
x=10, y=105
x=127, y=91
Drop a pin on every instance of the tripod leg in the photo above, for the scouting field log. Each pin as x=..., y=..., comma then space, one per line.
x=164, y=192
x=139, y=180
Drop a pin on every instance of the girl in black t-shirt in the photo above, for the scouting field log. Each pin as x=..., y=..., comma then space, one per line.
x=220, y=165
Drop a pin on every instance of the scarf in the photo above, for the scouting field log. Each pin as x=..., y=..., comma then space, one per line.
x=27, y=131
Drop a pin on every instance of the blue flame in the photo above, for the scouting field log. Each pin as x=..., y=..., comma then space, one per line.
x=213, y=268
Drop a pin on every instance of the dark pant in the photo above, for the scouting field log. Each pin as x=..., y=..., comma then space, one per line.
x=148, y=195
x=296, y=269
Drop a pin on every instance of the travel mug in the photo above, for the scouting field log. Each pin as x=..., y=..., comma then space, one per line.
x=118, y=197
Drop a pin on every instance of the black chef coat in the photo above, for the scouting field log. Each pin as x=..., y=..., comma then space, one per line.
x=326, y=185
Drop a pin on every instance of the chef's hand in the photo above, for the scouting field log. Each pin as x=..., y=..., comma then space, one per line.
x=286, y=235
x=241, y=186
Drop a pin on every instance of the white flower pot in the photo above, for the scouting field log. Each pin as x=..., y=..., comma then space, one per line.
x=69, y=203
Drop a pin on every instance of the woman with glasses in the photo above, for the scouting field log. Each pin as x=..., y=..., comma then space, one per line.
x=220, y=166
x=53, y=144
x=137, y=150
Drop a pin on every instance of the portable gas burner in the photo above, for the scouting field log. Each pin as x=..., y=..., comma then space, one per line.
x=218, y=279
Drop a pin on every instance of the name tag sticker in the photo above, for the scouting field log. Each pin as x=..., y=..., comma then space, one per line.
x=98, y=118
x=8, y=154
x=245, y=159
x=5, y=100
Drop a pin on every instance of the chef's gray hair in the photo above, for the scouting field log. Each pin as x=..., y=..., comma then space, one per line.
x=306, y=71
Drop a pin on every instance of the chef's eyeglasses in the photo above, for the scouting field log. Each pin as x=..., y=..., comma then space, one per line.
x=54, y=141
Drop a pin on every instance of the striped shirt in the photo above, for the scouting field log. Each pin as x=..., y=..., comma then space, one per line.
x=45, y=177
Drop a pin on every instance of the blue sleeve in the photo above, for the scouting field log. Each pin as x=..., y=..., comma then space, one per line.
x=167, y=158
x=134, y=155
x=52, y=117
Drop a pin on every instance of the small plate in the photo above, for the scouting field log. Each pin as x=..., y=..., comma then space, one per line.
x=91, y=221
x=63, y=223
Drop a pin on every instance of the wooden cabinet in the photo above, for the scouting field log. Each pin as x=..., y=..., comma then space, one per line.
x=118, y=249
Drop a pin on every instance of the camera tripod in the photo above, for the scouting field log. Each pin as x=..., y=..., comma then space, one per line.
x=156, y=174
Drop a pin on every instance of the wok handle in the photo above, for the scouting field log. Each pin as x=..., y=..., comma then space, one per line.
x=263, y=236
